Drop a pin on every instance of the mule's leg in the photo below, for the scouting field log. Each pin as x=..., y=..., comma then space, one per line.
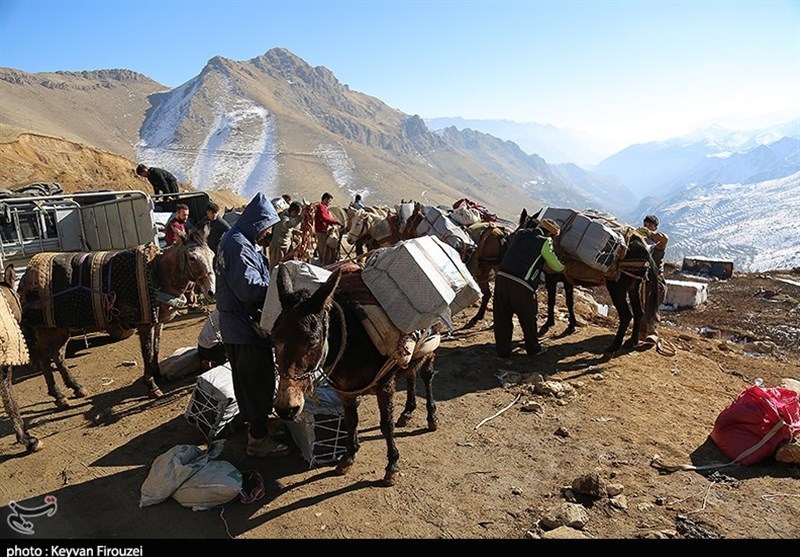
x=428, y=372
x=486, y=291
x=386, y=406
x=569, y=295
x=31, y=443
x=411, y=395
x=350, y=405
x=146, y=334
x=636, y=305
x=619, y=296
x=47, y=347
x=66, y=375
x=551, y=282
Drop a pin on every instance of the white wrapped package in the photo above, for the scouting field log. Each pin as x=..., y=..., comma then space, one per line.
x=303, y=275
x=416, y=282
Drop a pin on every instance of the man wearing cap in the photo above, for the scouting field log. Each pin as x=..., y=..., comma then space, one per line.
x=515, y=286
x=658, y=240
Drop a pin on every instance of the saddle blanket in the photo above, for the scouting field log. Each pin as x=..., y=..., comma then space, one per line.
x=90, y=290
x=13, y=350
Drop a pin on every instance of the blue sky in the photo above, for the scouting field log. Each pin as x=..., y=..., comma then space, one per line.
x=624, y=71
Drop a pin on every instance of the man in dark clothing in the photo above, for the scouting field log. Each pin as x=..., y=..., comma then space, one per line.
x=516, y=283
x=161, y=180
x=217, y=226
x=242, y=281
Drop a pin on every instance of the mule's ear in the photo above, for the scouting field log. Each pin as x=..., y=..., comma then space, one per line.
x=536, y=216
x=523, y=217
x=322, y=299
x=180, y=233
x=10, y=275
x=202, y=234
x=285, y=286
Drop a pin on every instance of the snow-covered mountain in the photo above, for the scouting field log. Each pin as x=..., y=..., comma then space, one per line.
x=657, y=168
x=755, y=225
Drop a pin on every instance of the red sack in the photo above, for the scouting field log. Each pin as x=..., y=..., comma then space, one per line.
x=757, y=423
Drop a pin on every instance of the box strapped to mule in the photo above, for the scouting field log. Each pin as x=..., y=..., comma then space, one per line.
x=399, y=347
x=91, y=290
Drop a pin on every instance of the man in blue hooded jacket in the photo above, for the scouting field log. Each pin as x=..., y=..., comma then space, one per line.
x=242, y=281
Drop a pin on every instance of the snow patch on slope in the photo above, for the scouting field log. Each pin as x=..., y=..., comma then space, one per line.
x=754, y=225
x=238, y=151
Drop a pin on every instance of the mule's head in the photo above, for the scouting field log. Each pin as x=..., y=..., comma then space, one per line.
x=529, y=221
x=199, y=260
x=300, y=334
x=359, y=226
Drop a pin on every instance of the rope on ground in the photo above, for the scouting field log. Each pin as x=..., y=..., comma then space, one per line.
x=513, y=402
x=225, y=522
x=665, y=347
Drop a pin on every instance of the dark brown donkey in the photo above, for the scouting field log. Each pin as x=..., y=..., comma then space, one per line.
x=141, y=288
x=12, y=334
x=322, y=331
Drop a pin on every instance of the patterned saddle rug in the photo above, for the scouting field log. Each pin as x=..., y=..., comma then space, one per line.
x=13, y=350
x=90, y=290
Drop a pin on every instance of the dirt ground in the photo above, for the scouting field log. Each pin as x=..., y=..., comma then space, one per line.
x=505, y=478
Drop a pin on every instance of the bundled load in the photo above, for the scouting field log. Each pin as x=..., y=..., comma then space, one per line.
x=213, y=404
x=483, y=213
x=436, y=222
x=596, y=241
x=420, y=282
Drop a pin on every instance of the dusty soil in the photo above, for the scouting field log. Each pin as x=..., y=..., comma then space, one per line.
x=472, y=479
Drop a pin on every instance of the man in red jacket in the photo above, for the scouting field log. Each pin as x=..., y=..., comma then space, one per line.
x=177, y=224
x=322, y=220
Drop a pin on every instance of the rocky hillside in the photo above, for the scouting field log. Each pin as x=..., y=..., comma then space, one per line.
x=103, y=109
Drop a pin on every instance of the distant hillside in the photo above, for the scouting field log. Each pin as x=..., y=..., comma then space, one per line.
x=755, y=224
x=555, y=145
x=102, y=108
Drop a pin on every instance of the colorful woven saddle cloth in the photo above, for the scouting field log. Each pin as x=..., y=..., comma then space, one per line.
x=90, y=290
x=387, y=338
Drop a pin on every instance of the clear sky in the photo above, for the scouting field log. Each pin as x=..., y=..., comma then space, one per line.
x=625, y=71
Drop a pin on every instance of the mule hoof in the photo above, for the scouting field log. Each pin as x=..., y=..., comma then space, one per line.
x=33, y=445
x=156, y=393
x=433, y=425
x=343, y=469
x=80, y=392
x=390, y=479
x=402, y=421
x=62, y=403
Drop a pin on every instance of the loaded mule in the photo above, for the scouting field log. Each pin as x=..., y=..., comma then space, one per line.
x=324, y=333
x=632, y=281
x=141, y=288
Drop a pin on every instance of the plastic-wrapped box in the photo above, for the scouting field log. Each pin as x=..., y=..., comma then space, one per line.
x=213, y=404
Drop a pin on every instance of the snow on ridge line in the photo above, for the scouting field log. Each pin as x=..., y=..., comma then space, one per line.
x=755, y=225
